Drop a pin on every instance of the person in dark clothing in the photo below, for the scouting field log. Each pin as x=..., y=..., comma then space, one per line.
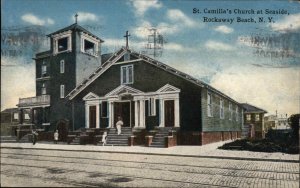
x=34, y=137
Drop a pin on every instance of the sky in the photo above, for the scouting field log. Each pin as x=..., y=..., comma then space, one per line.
x=257, y=61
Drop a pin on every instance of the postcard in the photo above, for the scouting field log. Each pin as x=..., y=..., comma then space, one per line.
x=150, y=93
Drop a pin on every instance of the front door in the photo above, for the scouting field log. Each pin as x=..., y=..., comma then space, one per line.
x=122, y=109
x=92, y=116
x=169, y=113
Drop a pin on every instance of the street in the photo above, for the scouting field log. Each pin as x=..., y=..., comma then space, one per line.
x=37, y=167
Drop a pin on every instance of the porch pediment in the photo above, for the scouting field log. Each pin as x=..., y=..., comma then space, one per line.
x=90, y=96
x=168, y=88
x=123, y=90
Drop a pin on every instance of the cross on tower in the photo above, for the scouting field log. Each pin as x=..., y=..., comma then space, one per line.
x=127, y=36
x=76, y=15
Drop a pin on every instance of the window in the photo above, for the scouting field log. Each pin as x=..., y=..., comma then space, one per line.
x=127, y=74
x=62, y=91
x=44, y=69
x=62, y=66
x=152, y=107
x=16, y=115
x=248, y=117
x=257, y=117
x=237, y=113
x=26, y=116
x=89, y=47
x=209, y=105
x=104, y=109
x=230, y=111
x=62, y=44
x=221, y=108
x=43, y=89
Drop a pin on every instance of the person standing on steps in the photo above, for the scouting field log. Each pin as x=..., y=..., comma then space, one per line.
x=56, y=136
x=119, y=124
x=104, y=136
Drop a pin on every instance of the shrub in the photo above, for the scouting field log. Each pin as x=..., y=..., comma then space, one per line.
x=293, y=121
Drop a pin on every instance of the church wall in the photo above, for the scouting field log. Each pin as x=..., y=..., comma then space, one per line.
x=149, y=78
x=85, y=63
x=59, y=108
x=215, y=123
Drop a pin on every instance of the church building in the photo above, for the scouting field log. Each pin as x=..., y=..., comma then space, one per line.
x=78, y=86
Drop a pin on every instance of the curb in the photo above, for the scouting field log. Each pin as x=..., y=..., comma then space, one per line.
x=160, y=154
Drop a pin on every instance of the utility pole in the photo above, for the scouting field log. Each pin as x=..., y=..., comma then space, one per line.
x=155, y=43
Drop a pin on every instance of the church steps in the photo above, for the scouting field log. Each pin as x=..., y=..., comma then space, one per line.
x=119, y=140
x=159, y=137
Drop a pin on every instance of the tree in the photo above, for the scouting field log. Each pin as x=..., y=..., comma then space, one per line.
x=294, y=122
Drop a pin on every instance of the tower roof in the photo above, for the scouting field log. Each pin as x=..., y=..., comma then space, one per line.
x=74, y=27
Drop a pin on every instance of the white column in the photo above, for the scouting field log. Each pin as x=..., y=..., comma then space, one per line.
x=161, y=113
x=142, y=113
x=176, y=112
x=97, y=116
x=87, y=116
x=136, y=114
x=111, y=114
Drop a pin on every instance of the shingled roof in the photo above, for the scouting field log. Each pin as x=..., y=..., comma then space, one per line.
x=74, y=27
x=113, y=58
x=252, y=109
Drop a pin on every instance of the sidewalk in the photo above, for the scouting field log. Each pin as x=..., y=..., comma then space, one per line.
x=208, y=151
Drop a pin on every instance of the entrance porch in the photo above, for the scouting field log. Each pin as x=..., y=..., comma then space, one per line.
x=134, y=107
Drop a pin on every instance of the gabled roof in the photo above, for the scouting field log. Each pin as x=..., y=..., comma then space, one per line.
x=115, y=57
x=123, y=89
x=252, y=109
x=10, y=110
x=74, y=27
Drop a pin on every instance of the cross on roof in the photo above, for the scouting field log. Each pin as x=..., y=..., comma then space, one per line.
x=76, y=15
x=127, y=36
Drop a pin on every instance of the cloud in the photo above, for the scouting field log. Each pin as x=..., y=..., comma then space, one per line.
x=32, y=19
x=168, y=28
x=177, y=21
x=141, y=6
x=267, y=88
x=219, y=46
x=116, y=44
x=142, y=31
x=289, y=23
x=224, y=29
x=177, y=16
x=86, y=16
x=14, y=73
x=173, y=46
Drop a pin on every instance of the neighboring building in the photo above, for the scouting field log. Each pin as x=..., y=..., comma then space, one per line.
x=282, y=123
x=276, y=123
x=270, y=122
x=9, y=122
x=253, y=121
x=73, y=85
